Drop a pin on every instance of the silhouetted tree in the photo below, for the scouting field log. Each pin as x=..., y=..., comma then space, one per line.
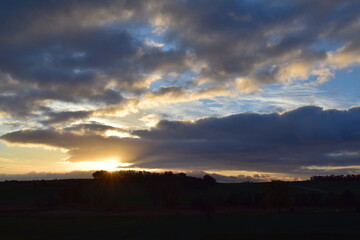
x=209, y=181
x=99, y=174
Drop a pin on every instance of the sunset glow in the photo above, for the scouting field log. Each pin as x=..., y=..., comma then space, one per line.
x=265, y=88
x=111, y=164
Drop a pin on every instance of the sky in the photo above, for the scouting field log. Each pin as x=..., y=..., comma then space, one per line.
x=245, y=90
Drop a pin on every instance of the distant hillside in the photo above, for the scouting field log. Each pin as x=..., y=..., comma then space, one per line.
x=116, y=190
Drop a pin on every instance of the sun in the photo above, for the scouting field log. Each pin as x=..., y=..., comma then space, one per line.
x=108, y=164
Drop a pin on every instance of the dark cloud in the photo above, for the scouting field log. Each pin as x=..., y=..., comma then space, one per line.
x=24, y=20
x=109, y=97
x=96, y=51
x=92, y=128
x=303, y=125
x=244, y=38
x=88, y=147
x=291, y=142
x=66, y=58
x=271, y=142
x=63, y=117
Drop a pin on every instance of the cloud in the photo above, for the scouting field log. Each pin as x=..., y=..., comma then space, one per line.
x=92, y=128
x=89, y=147
x=108, y=53
x=278, y=143
x=61, y=117
x=243, y=39
x=64, y=64
x=30, y=20
x=94, y=64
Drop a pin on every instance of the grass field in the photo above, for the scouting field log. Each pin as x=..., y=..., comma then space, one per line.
x=31, y=193
x=248, y=225
x=88, y=209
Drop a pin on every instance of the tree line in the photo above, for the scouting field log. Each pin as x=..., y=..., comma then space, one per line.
x=337, y=178
x=154, y=177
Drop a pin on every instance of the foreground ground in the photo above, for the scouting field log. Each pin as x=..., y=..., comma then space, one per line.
x=245, y=225
x=97, y=209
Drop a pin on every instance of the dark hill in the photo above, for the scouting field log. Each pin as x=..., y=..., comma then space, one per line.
x=130, y=189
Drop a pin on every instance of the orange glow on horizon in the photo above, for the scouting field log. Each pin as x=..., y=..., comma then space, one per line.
x=109, y=164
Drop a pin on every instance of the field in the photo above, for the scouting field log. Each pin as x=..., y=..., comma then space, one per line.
x=248, y=225
x=95, y=209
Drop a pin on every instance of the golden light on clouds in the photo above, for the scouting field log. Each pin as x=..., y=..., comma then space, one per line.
x=112, y=133
x=159, y=85
x=108, y=164
x=329, y=168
